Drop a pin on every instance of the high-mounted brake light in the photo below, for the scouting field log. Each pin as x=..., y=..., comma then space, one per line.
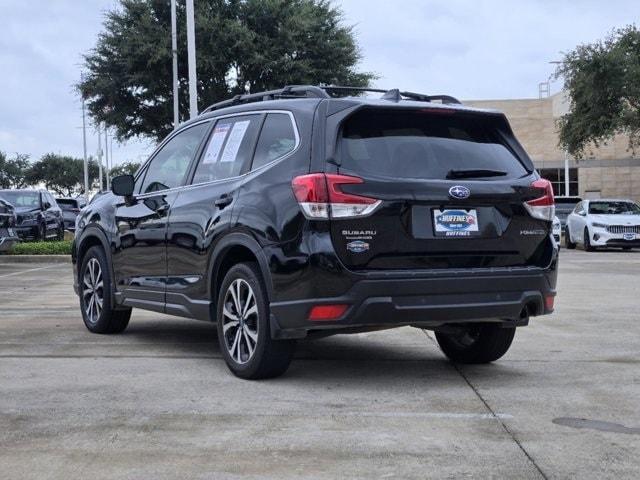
x=543, y=207
x=320, y=196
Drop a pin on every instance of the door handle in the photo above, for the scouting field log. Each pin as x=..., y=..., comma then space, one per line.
x=223, y=201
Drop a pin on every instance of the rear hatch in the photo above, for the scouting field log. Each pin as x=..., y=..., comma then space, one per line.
x=447, y=188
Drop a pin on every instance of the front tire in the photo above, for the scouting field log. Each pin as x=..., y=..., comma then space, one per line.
x=94, y=281
x=567, y=240
x=243, y=327
x=60, y=233
x=42, y=233
x=587, y=241
x=476, y=343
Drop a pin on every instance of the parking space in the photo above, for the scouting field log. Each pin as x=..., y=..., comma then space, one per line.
x=158, y=402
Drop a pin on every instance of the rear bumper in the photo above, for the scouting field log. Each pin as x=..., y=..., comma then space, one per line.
x=424, y=302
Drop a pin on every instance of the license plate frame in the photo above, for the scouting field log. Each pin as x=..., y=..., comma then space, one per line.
x=455, y=222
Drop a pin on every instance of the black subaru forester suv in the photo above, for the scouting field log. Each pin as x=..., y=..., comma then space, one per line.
x=309, y=211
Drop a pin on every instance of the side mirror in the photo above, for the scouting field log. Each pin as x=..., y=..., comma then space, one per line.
x=123, y=185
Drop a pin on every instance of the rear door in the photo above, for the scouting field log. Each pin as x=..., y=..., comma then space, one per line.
x=451, y=184
x=203, y=212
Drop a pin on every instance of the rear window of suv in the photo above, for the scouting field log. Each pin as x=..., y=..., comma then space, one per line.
x=67, y=204
x=425, y=144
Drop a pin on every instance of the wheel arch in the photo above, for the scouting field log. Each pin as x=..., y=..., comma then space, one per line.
x=94, y=236
x=236, y=248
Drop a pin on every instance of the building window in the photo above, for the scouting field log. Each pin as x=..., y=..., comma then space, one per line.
x=556, y=177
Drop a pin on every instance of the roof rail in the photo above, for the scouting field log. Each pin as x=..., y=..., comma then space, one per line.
x=324, y=91
x=290, y=91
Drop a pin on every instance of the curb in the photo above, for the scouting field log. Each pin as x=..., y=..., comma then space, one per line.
x=35, y=259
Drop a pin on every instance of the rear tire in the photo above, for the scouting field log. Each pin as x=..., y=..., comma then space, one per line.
x=476, y=343
x=567, y=240
x=587, y=241
x=243, y=326
x=94, y=282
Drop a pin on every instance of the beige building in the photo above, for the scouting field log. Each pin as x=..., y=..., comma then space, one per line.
x=608, y=171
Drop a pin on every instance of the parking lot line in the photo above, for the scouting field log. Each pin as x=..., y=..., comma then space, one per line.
x=26, y=271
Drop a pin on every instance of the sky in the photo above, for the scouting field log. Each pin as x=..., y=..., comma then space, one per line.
x=473, y=49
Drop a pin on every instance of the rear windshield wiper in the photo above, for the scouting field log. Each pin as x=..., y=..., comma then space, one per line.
x=479, y=173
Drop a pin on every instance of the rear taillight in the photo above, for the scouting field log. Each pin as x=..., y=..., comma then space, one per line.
x=320, y=196
x=542, y=207
x=548, y=303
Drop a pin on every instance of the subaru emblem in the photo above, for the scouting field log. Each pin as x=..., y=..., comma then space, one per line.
x=459, y=192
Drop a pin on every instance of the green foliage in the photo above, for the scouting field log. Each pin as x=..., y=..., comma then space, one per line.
x=603, y=83
x=125, y=168
x=62, y=247
x=13, y=171
x=241, y=46
x=61, y=173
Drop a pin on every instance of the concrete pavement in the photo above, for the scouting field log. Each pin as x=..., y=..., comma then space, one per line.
x=158, y=402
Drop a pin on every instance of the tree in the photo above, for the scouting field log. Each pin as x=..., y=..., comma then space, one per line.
x=603, y=83
x=13, y=171
x=125, y=168
x=241, y=46
x=62, y=174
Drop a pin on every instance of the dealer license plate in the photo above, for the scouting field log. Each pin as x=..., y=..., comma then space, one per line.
x=629, y=236
x=456, y=222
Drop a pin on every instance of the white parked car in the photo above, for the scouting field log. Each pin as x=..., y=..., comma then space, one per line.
x=604, y=223
x=556, y=229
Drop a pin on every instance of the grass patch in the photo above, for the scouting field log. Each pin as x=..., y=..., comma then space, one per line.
x=62, y=247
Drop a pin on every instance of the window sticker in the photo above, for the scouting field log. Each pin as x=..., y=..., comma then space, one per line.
x=233, y=142
x=215, y=145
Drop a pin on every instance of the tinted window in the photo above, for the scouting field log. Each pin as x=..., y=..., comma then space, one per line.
x=419, y=144
x=68, y=203
x=169, y=166
x=229, y=148
x=614, y=208
x=277, y=138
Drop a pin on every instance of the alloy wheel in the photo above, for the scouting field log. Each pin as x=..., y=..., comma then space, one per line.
x=93, y=290
x=240, y=321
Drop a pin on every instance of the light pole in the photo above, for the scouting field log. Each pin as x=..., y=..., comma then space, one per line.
x=99, y=154
x=84, y=148
x=106, y=154
x=174, y=54
x=191, y=58
x=566, y=154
